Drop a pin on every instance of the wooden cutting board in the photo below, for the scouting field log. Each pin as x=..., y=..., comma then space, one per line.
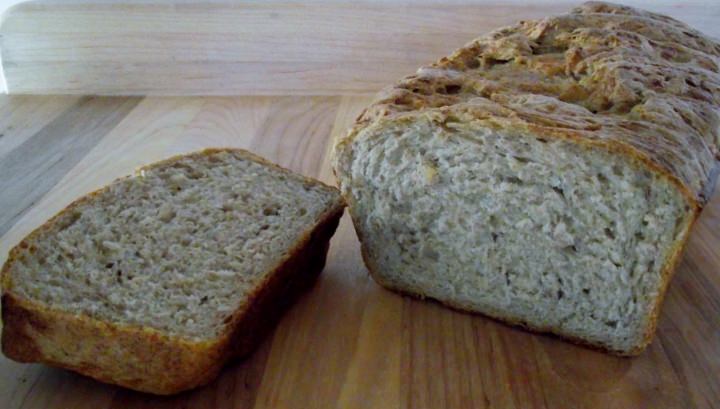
x=348, y=343
x=255, y=47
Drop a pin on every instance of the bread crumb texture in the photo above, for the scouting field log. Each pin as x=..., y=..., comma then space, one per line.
x=178, y=247
x=546, y=174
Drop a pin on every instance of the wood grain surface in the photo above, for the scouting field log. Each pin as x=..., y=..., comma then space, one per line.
x=256, y=47
x=348, y=343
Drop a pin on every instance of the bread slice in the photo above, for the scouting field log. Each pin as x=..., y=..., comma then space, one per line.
x=156, y=280
x=546, y=174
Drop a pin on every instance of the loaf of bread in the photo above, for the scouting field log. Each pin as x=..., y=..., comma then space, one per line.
x=156, y=280
x=546, y=174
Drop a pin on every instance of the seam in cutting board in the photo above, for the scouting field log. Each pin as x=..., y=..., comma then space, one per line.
x=41, y=161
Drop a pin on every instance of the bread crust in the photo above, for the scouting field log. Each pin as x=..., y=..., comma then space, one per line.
x=637, y=84
x=146, y=359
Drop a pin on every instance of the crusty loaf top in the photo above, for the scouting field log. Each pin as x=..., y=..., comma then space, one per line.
x=604, y=74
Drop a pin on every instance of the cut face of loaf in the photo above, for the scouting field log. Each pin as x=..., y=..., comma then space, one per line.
x=154, y=281
x=541, y=232
x=546, y=174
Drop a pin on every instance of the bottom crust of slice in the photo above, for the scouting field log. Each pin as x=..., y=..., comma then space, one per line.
x=147, y=360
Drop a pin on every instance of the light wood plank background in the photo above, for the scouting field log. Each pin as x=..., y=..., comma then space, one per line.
x=348, y=343
x=255, y=47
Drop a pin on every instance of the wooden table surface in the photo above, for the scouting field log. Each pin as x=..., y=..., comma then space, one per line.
x=348, y=342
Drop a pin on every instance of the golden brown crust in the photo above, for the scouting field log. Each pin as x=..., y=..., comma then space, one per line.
x=667, y=273
x=292, y=278
x=641, y=84
x=139, y=358
x=604, y=76
x=143, y=358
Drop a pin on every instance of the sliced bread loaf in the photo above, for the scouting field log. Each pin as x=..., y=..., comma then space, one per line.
x=546, y=174
x=156, y=280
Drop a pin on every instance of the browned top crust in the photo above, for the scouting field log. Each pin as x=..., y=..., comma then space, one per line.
x=607, y=75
